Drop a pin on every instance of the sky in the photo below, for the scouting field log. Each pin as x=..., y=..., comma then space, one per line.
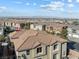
x=44, y=8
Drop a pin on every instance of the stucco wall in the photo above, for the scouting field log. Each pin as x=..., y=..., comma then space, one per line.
x=47, y=53
x=36, y=27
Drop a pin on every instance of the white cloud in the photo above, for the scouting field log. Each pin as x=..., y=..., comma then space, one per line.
x=69, y=0
x=69, y=11
x=62, y=9
x=27, y=3
x=34, y=4
x=53, y=6
x=70, y=5
x=77, y=1
x=2, y=8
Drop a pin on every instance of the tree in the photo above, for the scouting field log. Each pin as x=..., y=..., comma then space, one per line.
x=44, y=27
x=7, y=30
x=75, y=23
x=22, y=25
x=27, y=25
x=64, y=33
x=2, y=38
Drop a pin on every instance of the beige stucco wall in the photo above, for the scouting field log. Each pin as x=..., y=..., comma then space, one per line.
x=36, y=27
x=44, y=55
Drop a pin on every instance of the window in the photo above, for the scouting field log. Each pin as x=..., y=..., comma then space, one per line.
x=51, y=28
x=24, y=56
x=19, y=57
x=39, y=50
x=55, y=56
x=47, y=27
x=28, y=52
x=64, y=52
x=39, y=58
x=0, y=28
x=4, y=23
x=55, y=46
x=7, y=23
x=74, y=31
x=64, y=27
x=11, y=24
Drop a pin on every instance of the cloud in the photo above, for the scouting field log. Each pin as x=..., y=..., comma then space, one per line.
x=34, y=4
x=54, y=6
x=27, y=4
x=62, y=9
x=69, y=0
x=77, y=1
x=70, y=5
x=2, y=8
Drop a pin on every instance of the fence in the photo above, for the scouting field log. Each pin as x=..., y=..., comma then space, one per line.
x=8, y=57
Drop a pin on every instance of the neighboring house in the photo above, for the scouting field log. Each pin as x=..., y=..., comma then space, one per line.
x=73, y=33
x=73, y=54
x=1, y=30
x=49, y=27
x=37, y=26
x=55, y=27
x=13, y=25
x=73, y=45
x=59, y=21
x=19, y=37
x=39, y=45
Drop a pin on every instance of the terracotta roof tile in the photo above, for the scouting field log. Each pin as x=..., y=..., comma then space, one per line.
x=73, y=53
x=57, y=26
x=22, y=38
x=41, y=38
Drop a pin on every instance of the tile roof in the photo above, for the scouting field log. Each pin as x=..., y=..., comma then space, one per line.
x=21, y=37
x=16, y=34
x=41, y=38
x=51, y=24
x=73, y=54
x=27, y=39
x=13, y=21
x=57, y=26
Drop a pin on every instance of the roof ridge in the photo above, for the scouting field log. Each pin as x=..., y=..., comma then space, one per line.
x=26, y=40
x=20, y=33
x=35, y=43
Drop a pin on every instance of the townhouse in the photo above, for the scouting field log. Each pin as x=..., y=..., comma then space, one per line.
x=13, y=24
x=37, y=26
x=19, y=37
x=38, y=45
x=55, y=27
x=73, y=33
x=49, y=26
x=73, y=45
